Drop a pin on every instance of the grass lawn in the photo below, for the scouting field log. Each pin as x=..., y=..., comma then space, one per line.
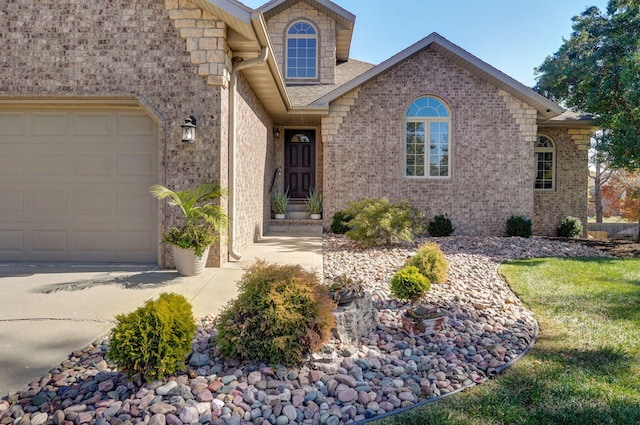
x=585, y=367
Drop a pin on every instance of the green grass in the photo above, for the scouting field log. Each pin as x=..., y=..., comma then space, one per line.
x=585, y=367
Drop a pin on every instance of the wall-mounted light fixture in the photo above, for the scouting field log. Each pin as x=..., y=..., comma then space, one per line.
x=276, y=132
x=189, y=130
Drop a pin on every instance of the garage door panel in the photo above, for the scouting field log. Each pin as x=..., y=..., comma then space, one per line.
x=49, y=241
x=12, y=202
x=49, y=164
x=136, y=164
x=92, y=164
x=135, y=125
x=11, y=124
x=49, y=202
x=74, y=186
x=135, y=204
x=94, y=124
x=11, y=164
x=91, y=203
x=48, y=124
x=136, y=242
x=92, y=241
x=11, y=241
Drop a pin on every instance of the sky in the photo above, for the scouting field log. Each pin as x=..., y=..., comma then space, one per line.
x=514, y=36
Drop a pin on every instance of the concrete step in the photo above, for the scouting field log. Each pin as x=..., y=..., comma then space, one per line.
x=311, y=227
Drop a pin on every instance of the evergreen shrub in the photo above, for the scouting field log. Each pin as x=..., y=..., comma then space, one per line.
x=340, y=223
x=570, y=227
x=408, y=284
x=430, y=261
x=281, y=314
x=380, y=222
x=519, y=225
x=153, y=341
x=440, y=226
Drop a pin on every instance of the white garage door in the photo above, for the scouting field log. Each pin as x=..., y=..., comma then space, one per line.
x=74, y=186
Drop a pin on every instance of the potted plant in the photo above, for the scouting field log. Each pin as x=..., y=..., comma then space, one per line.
x=202, y=224
x=314, y=204
x=280, y=203
x=422, y=320
x=344, y=289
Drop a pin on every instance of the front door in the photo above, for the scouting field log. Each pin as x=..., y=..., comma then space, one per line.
x=299, y=162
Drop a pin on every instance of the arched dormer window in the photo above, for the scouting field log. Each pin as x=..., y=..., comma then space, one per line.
x=302, y=51
x=545, y=163
x=428, y=139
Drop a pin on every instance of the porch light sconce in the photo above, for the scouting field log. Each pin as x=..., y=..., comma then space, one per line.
x=276, y=132
x=189, y=130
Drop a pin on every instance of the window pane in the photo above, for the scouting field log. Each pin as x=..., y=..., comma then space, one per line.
x=427, y=107
x=301, y=51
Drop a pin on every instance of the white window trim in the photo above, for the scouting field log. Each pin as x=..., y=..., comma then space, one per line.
x=537, y=150
x=427, y=121
x=315, y=36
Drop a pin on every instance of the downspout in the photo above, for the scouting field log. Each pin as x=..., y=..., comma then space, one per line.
x=232, y=145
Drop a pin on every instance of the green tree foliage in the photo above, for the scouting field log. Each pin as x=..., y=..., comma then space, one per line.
x=596, y=71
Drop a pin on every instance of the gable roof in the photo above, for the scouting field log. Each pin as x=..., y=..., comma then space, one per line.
x=546, y=108
x=345, y=20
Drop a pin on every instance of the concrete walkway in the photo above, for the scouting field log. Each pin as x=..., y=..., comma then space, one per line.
x=50, y=310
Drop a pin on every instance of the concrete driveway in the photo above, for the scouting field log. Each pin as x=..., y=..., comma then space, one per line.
x=50, y=310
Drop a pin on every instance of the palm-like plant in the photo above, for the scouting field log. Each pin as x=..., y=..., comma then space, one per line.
x=203, y=219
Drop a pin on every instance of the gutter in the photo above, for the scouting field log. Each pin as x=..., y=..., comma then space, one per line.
x=232, y=145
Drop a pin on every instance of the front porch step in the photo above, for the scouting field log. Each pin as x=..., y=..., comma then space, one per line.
x=310, y=227
x=297, y=209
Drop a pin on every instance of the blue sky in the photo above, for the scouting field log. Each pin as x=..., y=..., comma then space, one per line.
x=514, y=36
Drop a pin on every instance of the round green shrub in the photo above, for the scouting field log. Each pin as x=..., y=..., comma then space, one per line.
x=281, y=314
x=519, y=225
x=430, y=261
x=380, y=222
x=570, y=227
x=408, y=284
x=339, y=224
x=440, y=226
x=153, y=341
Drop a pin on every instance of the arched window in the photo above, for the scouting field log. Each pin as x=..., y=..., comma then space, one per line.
x=302, y=51
x=545, y=163
x=428, y=139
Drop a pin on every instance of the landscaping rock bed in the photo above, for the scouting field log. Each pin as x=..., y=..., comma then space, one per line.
x=487, y=327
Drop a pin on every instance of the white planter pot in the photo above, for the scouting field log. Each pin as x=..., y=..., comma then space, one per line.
x=316, y=216
x=187, y=263
x=280, y=216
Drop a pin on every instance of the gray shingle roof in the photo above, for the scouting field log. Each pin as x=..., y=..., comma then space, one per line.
x=345, y=72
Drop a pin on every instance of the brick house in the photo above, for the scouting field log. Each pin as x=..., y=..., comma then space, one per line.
x=93, y=96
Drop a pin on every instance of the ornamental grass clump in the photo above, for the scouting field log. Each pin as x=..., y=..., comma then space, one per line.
x=153, y=341
x=408, y=284
x=281, y=314
x=430, y=261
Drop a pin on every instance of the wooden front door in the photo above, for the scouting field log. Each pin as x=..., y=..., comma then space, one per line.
x=299, y=162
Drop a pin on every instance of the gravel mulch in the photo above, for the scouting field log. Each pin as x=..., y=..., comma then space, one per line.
x=486, y=328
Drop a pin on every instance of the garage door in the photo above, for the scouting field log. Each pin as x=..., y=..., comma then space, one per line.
x=74, y=186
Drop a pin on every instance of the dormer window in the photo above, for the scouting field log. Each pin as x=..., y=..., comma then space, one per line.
x=302, y=51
